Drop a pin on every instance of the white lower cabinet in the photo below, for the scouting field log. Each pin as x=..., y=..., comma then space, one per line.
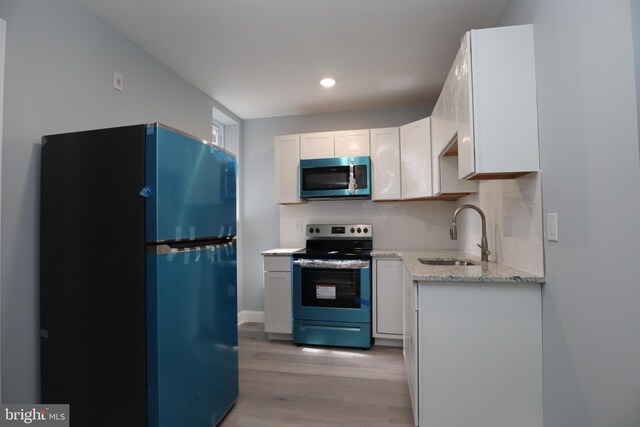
x=478, y=350
x=387, y=288
x=277, y=294
x=410, y=339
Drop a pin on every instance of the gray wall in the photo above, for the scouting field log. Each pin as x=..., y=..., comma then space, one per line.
x=591, y=178
x=261, y=217
x=233, y=143
x=59, y=68
x=635, y=25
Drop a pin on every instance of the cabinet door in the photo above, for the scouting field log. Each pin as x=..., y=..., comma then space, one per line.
x=352, y=143
x=415, y=155
x=437, y=143
x=389, y=297
x=277, y=302
x=319, y=145
x=410, y=340
x=450, y=107
x=464, y=117
x=385, y=164
x=504, y=137
x=286, y=159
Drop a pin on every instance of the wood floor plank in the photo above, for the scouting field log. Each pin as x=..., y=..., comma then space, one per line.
x=284, y=385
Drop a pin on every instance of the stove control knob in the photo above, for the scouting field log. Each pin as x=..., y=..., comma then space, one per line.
x=311, y=230
x=366, y=230
x=353, y=230
x=359, y=230
x=317, y=230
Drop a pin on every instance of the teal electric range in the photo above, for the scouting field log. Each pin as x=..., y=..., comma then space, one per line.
x=332, y=286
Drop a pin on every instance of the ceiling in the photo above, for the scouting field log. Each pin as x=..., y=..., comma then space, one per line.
x=263, y=58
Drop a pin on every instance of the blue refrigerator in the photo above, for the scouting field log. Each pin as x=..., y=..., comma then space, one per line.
x=138, y=293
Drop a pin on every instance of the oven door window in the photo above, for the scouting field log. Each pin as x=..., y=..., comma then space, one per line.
x=338, y=288
x=325, y=178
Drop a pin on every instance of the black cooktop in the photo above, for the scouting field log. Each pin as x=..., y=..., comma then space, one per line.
x=333, y=254
x=336, y=249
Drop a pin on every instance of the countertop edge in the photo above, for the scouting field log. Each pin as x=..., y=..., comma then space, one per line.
x=503, y=273
x=280, y=252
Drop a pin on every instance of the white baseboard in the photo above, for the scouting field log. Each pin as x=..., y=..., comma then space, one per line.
x=280, y=337
x=246, y=316
x=388, y=342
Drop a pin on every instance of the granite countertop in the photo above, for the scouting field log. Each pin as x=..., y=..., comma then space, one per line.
x=280, y=251
x=483, y=272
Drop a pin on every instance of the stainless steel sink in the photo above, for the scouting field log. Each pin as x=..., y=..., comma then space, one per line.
x=455, y=262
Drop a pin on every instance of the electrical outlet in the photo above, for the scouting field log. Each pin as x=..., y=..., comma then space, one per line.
x=552, y=227
x=118, y=81
x=507, y=225
x=428, y=226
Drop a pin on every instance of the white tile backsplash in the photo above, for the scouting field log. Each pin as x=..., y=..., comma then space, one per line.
x=405, y=225
x=425, y=225
x=517, y=201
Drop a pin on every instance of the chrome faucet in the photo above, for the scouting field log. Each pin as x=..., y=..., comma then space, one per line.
x=484, y=244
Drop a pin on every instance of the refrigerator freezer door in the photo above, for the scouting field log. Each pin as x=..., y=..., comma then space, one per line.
x=192, y=336
x=190, y=190
x=92, y=275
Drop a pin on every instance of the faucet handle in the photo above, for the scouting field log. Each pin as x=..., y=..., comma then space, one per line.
x=486, y=251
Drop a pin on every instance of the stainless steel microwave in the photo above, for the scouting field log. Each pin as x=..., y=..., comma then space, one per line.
x=340, y=177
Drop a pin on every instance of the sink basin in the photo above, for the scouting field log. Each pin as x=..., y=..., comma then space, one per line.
x=456, y=262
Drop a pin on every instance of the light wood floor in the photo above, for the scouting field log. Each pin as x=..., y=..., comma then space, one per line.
x=284, y=385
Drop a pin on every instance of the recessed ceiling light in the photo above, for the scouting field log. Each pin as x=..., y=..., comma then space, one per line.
x=328, y=82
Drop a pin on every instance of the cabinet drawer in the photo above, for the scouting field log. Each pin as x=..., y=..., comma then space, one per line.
x=277, y=263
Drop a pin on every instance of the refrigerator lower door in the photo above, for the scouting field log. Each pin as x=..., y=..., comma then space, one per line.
x=190, y=188
x=192, y=329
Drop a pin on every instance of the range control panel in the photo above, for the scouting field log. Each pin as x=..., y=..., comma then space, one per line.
x=339, y=230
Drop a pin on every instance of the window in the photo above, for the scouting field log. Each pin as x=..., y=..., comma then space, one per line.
x=217, y=131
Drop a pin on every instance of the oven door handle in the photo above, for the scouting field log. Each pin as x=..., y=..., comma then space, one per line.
x=349, y=264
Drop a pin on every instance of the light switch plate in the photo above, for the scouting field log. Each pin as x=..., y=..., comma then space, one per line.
x=118, y=81
x=552, y=227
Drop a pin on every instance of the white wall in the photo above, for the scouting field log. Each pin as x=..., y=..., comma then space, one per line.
x=514, y=204
x=588, y=134
x=233, y=142
x=261, y=217
x=3, y=28
x=60, y=61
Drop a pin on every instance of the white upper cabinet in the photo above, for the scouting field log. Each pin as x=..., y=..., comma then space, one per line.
x=385, y=164
x=352, y=143
x=319, y=145
x=415, y=155
x=449, y=107
x=445, y=131
x=498, y=135
x=286, y=162
x=466, y=155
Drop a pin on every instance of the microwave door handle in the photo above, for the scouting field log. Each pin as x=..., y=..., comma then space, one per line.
x=352, y=179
